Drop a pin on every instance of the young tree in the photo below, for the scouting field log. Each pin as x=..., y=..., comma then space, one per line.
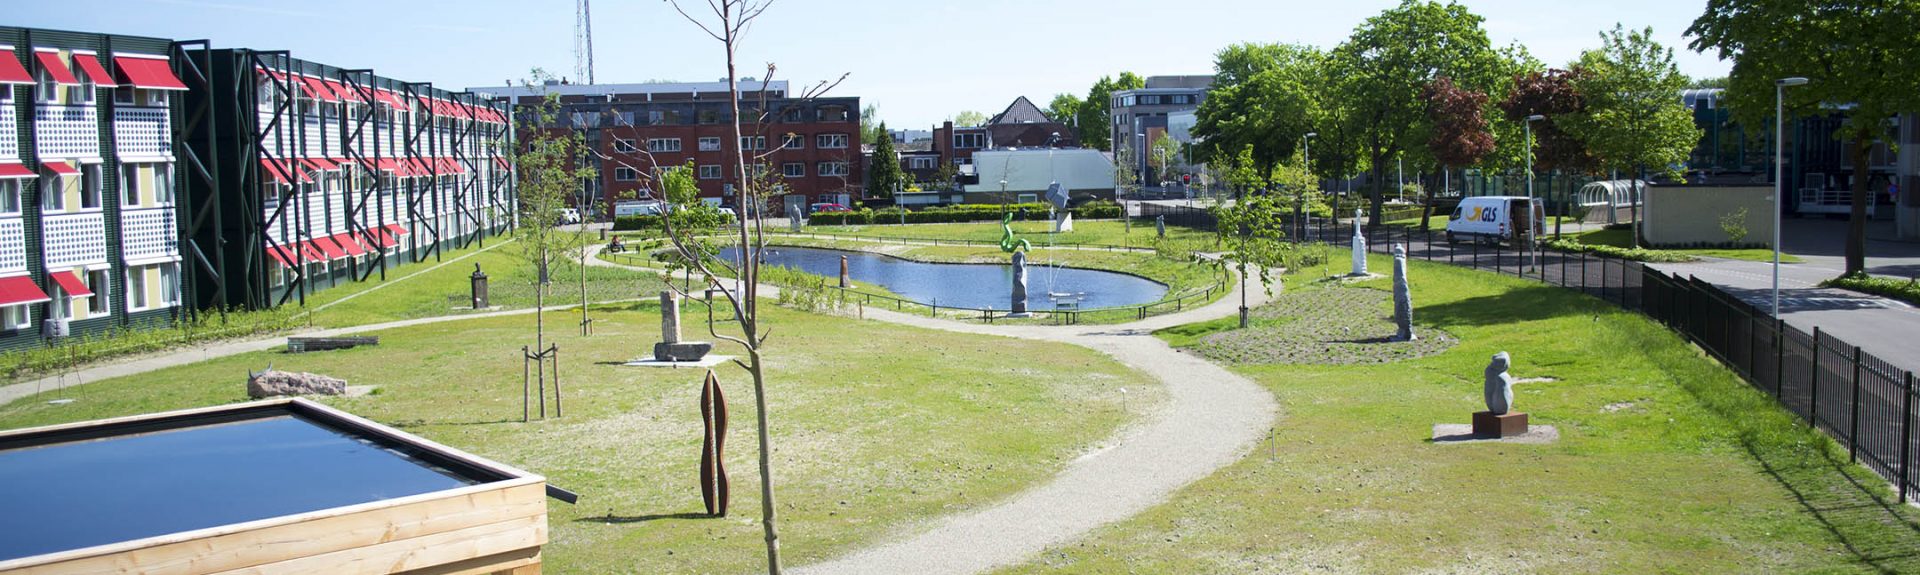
x=1293, y=183
x=1634, y=119
x=1125, y=184
x=1253, y=232
x=884, y=176
x=550, y=164
x=1381, y=69
x=1858, y=53
x=969, y=118
x=1162, y=154
x=1244, y=174
x=1064, y=109
x=726, y=21
x=1459, y=130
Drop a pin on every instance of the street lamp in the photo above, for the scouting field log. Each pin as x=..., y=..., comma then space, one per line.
x=1779, y=173
x=1306, y=162
x=1532, y=261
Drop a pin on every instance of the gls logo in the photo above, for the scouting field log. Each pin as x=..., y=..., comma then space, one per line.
x=1485, y=214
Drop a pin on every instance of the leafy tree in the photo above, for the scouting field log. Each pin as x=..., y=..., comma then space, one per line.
x=1635, y=120
x=1244, y=174
x=551, y=168
x=1065, y=108
x=1254, y=234
x=1096, y=113
x=968, y=118
x=1381, y=69
x=1264, y=95
x=1292, y=182
x=944, y=175
x=872, y=130
x=1459, y=129
x=1162, y=154
x=1126, y=183
x=884, y=175
x=1858, y=53
x=1556, y=95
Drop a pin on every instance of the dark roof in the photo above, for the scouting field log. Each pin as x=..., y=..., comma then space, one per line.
x=1021, y=111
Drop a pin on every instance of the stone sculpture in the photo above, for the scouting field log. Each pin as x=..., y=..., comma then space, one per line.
x=1499, y=385
x=1402, y=296
x=713, y=447
x=1359, y=248
x=670, y=347
x=1018, y=247
x=845, y=282
x=1160, y=225
x=271, y=383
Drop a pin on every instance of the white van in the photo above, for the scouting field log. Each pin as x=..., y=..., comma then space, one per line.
x=638, y=208
x=1494, y=218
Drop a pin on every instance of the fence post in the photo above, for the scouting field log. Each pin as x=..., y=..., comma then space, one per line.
x=1813, y=388
x=1780, y=359
x=1853, y=431
x=1906, y=437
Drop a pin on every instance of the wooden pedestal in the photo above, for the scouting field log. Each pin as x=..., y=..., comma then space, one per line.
x=1508, y=424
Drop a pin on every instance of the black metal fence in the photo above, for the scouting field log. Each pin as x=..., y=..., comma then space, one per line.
x=1863, y=401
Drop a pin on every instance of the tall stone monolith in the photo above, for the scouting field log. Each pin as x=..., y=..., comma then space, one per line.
x=1359, y=248
x=1402, y=295
x=1019, y=303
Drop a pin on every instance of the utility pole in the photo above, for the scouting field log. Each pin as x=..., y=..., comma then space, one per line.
x=583, y=43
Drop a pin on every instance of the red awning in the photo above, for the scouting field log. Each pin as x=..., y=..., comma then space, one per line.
x=502, y=162
x=150, y=73
x=387, y=165
x=11, y=72
x=50, y=61
x=390, y=98
x=10, y=170
x=61, y=168
x=421, y=167
x=285, y=255
x=20, y=290
x=345, y=93
x=285, y=170
x=398, y=230
x=71, y=284
x=318, y=89
x=91, y=65
x=333, y=250
x=311, y=252
x=346, y=242
x=320, y=164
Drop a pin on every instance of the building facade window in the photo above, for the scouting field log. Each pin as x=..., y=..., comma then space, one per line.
x=9, y=196
x=624, y=146
x=793, y=142
x=625, y=174
x=130, y=184
x=97, y=283
x=83, y=93
x=90, y=185
x=163, y=183
x=794, y=169
x=922, y=163
x=136, y=288
x=753, y=142
x=972, y=140
x=830, y=141
x=832, y=169
x=170, y=284
x=710, y=172
x=832, y=114
x=663, y=144
x=48, y=90
x=710, y=144
x=53, y=197
x=14, y=317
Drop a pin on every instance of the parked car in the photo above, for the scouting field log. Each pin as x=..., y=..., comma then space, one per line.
x=647, y=208
x=826, y=207
x=569, y=216
x=728, y=212
x=1494, y=218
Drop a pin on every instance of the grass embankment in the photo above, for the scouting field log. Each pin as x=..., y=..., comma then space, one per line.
x=1039, y=233
x=1907, y=290
x=1174, y=267
x=1666, y=462
x=876, y=426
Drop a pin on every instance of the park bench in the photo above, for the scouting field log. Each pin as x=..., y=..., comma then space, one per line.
x=306, y=344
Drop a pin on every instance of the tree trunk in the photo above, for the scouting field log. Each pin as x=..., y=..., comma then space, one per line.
x=1426, y=213
x=1857, y=220
x=1378, y=199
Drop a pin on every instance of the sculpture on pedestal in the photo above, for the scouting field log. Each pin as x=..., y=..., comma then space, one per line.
x=1017, y=247
x=1359, y=248
x=1058, y=196
x=670, y=348
x=1402, y=296
x=713, y=447
x=1499, y=385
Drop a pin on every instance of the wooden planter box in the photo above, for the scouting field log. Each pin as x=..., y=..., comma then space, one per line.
x=452, y=512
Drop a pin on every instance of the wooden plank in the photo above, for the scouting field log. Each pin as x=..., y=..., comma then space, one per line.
x=512, y=562
x=415, y=553
x=145, y=417
x=319, y=535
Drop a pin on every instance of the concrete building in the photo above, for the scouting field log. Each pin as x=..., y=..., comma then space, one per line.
x=812, y=146
x=1023, y=175
x=1143, y=116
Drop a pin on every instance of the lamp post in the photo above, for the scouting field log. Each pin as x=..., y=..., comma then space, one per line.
x=1532, y=261
x=1779, y=173
x=1306, y=161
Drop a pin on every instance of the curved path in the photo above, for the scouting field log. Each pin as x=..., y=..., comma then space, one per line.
x=1212, y=418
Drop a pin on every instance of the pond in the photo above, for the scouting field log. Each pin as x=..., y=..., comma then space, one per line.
x=973, y=285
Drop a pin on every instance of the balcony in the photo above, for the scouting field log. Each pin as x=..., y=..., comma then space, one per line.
x=74, y=240
x=66, y=131
x=9, y=135
x=142, y=132
x=147, y=235
x=13, y=246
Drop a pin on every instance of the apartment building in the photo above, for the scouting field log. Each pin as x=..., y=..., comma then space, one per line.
x=810, y=147
x=1142, y=116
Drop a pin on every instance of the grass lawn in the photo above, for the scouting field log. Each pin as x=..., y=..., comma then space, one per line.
x=1666, y=462
x=876, y=426
x=1039, y=233
x=1622, y=237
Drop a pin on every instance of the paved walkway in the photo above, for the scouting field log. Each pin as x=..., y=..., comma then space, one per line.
x=1212, y=418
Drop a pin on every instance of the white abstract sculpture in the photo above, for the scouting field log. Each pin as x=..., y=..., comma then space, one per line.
x=1359, y=248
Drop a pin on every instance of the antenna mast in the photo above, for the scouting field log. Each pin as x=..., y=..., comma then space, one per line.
x=583, y=43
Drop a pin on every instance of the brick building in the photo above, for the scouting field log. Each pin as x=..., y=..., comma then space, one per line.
x=812, y=146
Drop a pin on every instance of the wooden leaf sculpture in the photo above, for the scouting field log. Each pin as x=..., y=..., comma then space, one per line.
x=713, y=449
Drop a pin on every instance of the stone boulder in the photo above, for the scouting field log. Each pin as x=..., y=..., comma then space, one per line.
x=271, y=383
x=681, y=351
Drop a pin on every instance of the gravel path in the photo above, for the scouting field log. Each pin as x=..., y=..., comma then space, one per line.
x=1211, y=419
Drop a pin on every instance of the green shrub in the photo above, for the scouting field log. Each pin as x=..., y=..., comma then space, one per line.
x=636, y=223
x=1907, y=291
x=127, y=340
x=1633, y=254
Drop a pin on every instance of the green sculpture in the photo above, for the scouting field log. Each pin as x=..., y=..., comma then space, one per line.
x=1008, y=243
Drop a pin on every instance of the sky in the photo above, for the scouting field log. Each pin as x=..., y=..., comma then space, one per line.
x=919, y=62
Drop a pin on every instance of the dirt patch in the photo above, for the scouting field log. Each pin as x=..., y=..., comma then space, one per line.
x=1329, y=326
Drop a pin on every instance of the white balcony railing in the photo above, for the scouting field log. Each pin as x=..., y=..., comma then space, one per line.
x=142, y=132
x=75, y=239
x=66, y=131
x=148, y=235
x=13, y=246
x=9, y=134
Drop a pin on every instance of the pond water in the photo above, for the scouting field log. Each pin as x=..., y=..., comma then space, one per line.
x=973, y=285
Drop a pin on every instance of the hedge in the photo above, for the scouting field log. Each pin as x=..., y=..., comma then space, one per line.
x=1633, y=254
x=1907, y=291
x=959, y=213
x=636, y=223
